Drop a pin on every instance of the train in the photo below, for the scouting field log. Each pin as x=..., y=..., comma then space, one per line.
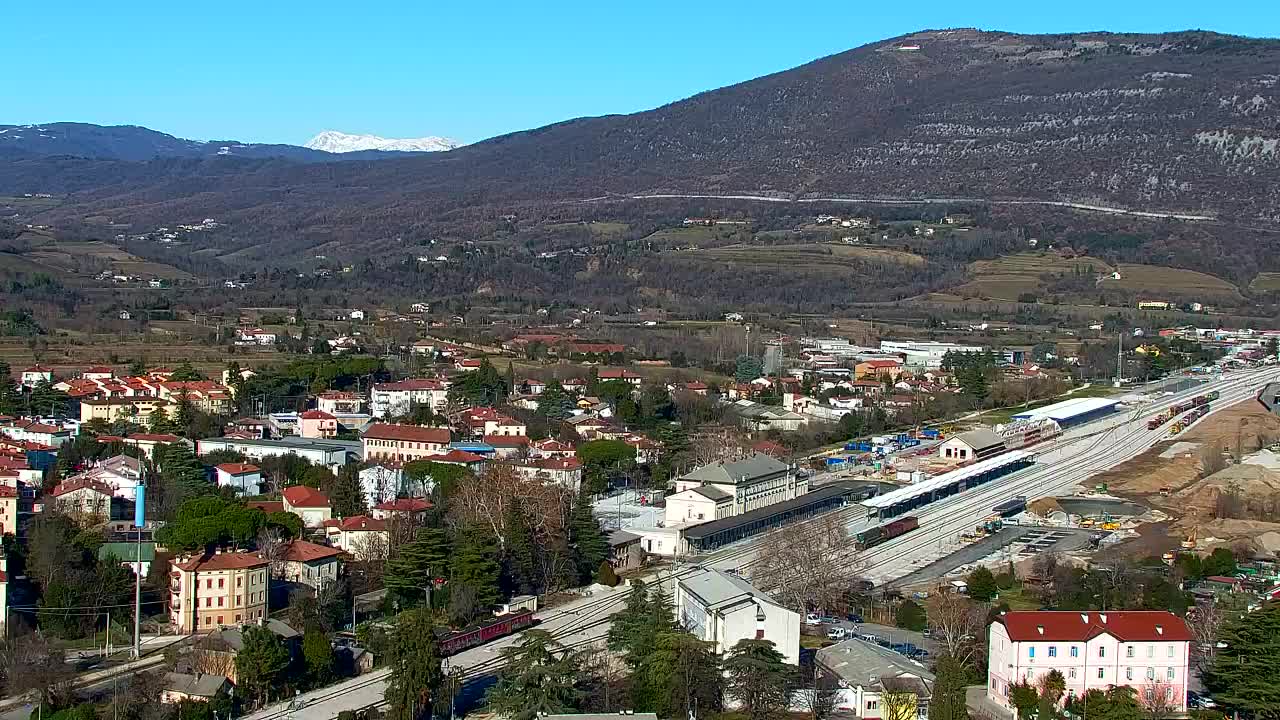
x=1199, y=401
x=455, y=641
x=881, y=533
x=1011, y=507
x=1025, y=433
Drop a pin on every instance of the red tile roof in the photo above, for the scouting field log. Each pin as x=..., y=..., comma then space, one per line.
x=881, y=363
x=409, y=505
x=411, y=384
x=165, y=438
x=305, y=497
x=79, y=483
x=408, y=433
x=505, y=441
x=222, y=561
x=266, y=506
x=317, y=415
x=1066, y=626
x=358, y=523
x=303, y=551
x=239, y=468
x=456, y=457
x=554, y=463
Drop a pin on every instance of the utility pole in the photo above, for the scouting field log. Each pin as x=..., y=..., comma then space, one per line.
x=1119, y=357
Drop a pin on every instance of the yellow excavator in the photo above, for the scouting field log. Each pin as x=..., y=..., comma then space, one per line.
x=1190, y=542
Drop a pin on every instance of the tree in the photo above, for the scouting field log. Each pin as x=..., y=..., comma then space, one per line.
x=605, y=574
x=805, y=564
x=1024, y=699
x=899, y=704
x=32, y=664
x=411, y=574
x=538, y=678
x=1205, y=622
x=956, y=623
x=185, y=373
x=909, y=615
x=1242, y=676
x=261, y=663
x=482, y=386
x=758, y=677
x=346, y=497
x=590, y=548
x=747, y=368
x=475, y=565
x=1158, y=700
x=317, y=654
x=554, y=403
x=413, y=661
x=603, y=461
x=629, y=626
x=678, y=675
x=1219, y=562
x=948, y=701
x=439, y=479
x=982, y=584
x=1119, y=702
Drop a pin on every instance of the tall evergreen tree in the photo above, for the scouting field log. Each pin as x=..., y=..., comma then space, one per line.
x=10, y=399
x=678, y=676
x=758, y=677
x=631, y=623
x=475, y=565
x=412, y=572
x=346, y=497
x=590, y=548
x=1244, y=674
x=413, y=660
x=948, y=700
x=538, y=678
x=261, y=664
x=519, y=565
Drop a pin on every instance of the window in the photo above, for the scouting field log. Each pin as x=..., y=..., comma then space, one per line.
x=1169, y=674
x=219, y=602
x=1169, y=648
x=759, y=634
x=1053, y=651
x=208, y=602
x=1128, y=652
x=219, y=619
x=1102, y=652
x=873, y=704
x=1168, y=694
x=237, y=617
x=221, y=583
x=1151, y=673
x=1151, y=651
x=1075, y=651
x=1031, y=652
x=239, y=580
x=209, y=583
x=1100, y=673
x=208, y=620
x=1071, y=673
x=1128, y=673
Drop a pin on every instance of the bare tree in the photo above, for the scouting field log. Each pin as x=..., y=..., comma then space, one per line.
x=489, y=499
x=805, y=565
x=33, y=665
x=1157, y=699
x=1205, y=622
x=898, y=704
x=956, y=623
x=272, y=548
x=819, y=696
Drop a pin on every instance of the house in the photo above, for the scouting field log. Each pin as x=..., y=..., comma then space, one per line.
x=307, y=503
x=574, y=386
x=423, y=347
x=317, y=424
x=459, y=457
x=420, y=308
x=388, y=400
x=550, y=447
x=83, y=495
x=753, y=482
x=972, y=446
x=1223, y=585
x=36, y=432
x=863, y=672
x=215, y=653
x=1148, y=650
x=308, y=564
x=148, y=442
x=332, y=453
x=35, y=375
x=339, y=403
x=878, y=368
x=137, y=556
x=468, y=364
x=245, y=478
x=383, y=480
x=198, y=687
x=8, y=509
x=622, y=374
x=485, y=421
x=698, y=504
x=414, y=508
x=206, y=395
x=98, y=372
x=759, y=417
x=625, y=552
x=217, y=589
x=387, y=441
x=722, y=608
x=248, y=427
x=565, y=471
x=506, y=445
x=361, y=536
x=355, y=315
x=256, y=336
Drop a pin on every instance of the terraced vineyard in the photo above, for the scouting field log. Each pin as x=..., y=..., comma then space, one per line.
x=815, y=256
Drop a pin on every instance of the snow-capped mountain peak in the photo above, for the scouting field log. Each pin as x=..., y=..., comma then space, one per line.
x=339, y=142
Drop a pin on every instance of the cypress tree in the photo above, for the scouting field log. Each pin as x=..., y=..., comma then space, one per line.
x=590, y=548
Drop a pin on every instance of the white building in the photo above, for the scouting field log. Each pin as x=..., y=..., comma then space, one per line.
x=1147, y=650
x=244, y=478
x=755, y=482
x=329, y=453
x=698, y=504
x=35, y=375
x=925, y=353
x=864, y=671
x=721, y=608
x=389, y=400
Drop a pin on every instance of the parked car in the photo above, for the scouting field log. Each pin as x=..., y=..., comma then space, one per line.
x=837, y=633
x=855, y=618
x=812, y=619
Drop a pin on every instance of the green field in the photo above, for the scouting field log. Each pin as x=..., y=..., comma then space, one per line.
x=1007, y=277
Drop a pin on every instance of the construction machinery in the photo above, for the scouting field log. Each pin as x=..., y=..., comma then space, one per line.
x=1190, y=542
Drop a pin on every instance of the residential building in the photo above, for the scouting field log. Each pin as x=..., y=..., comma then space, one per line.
x=36, y=432
x=217, y=590
x=8, y=509
x=206, y=395
x=1148, y=650
x=759, y=417
x=137, y=556
x=383, y=480
x=409, y=508
x=309, y=564
x=389, y=400
x=148, y=442
x=550, y=447
x=35, y=375
x=386, y=441
x=625, y=552
x=972, y=446
x=307, y=503
x=198, y=687
x=564, y=471
x=136, y=409
x=876, y=369
x=722, y=608
x=506, y=446
x=332, y=454
x=335, y=402
x=361, y=536
x=629, y=377
x=83, y=495
x=863, y=672
x=316, y=424
x=245, y=478
x=485, y=421
x=753, y=482
x=215, y=653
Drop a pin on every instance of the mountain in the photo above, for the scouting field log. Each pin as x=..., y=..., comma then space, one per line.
x=133, y=143
x=1186, y=122
x=333, y=141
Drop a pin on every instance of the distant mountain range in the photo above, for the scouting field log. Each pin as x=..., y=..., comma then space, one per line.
x=133, y=143
x=333, y=141
x=1186, y=122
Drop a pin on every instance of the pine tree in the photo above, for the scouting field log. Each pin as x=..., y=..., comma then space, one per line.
x=590, y=548
x=346, y=497
x=538, y=678
x=417, y=564
x=10, y=400
x=680, y=675
x=520, y=565
x=630, y=623
x=1243, y=674
x=261, y=663
x=759, y=678
x=158, y=421
x=948, y=702
x=475, y=565
x=317, y=653
x=413, y=660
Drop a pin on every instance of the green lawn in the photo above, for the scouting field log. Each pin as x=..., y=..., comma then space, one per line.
x=1019, y=599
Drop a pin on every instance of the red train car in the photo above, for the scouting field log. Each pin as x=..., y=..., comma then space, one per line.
x=460, y=640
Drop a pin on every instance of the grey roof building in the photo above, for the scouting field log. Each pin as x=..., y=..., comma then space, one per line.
x=865, y=671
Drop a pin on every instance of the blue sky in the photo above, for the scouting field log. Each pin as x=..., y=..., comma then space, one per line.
x=280, y=71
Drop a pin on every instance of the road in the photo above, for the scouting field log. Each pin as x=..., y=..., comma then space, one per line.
x=1072, y=458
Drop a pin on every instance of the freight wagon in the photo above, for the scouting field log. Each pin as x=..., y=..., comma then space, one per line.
x=881, y=533
x=459, y=640
x=1011, y=507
